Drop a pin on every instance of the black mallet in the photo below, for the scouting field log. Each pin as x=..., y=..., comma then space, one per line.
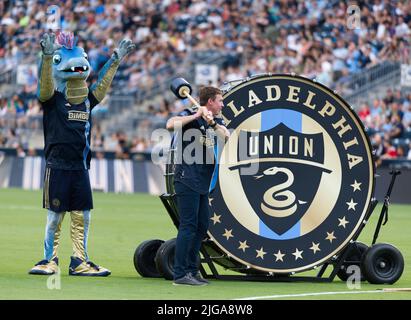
x=182, y=90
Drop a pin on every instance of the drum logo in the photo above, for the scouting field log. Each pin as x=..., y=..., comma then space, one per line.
x=294, y=180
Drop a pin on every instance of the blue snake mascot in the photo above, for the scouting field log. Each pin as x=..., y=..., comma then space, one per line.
x=67, y=102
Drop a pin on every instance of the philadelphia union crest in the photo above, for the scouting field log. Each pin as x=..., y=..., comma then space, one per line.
x=295, y=179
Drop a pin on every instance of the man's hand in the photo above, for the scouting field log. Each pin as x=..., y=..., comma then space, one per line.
x=204, y=113
x=48, y=46
x=200, y=112
x=208, y=116
x=124, y=48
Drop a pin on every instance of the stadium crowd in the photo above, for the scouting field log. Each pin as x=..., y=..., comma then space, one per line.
x=313, y=38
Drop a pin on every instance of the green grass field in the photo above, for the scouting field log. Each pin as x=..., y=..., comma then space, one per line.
x=119, y=223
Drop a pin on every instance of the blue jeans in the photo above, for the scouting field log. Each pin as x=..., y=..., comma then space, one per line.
x=194, y=215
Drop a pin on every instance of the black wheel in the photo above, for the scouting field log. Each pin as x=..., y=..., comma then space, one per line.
x=144, y=258
x=383, y=263
x=164, y=259
x=354, y=257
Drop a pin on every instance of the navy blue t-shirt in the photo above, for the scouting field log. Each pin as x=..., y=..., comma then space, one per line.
x=67, y=132
x=195, y=156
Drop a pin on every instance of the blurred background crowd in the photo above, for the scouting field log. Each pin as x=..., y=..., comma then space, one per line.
x=227, y=40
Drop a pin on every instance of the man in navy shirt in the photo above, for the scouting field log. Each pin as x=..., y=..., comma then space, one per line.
x=199, y=129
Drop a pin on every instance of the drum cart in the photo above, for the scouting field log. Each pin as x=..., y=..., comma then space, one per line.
x=378, y=263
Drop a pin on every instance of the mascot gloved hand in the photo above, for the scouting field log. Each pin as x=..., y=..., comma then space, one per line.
x=67, y=103
x=48, y=45
x=124, y=48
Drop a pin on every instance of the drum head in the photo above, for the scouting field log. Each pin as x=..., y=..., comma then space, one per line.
x=294, y=180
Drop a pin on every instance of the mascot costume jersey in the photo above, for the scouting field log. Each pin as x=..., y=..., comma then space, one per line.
x=67, y=103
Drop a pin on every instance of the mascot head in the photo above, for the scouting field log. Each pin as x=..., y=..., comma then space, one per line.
x=69, y=62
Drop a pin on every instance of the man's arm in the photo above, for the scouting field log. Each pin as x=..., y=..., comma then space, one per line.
x=221, y=131
x=181, y=121
x=107, y=73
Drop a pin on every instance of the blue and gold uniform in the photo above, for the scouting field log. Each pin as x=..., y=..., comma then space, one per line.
x=67, y=103
x=197, y=174
x=67, y=132
x=67, y=152
x=193, y=179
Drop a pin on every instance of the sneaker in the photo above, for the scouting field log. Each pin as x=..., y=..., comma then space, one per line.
x=80, y=267
x=200, y=278
x=45, y=267
x=188, y=280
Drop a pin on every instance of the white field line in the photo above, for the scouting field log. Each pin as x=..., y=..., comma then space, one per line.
x=311, y=294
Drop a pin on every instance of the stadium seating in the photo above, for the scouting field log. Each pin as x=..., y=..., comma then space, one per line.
x=311, y=38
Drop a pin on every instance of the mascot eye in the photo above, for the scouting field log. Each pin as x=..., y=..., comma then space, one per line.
x=56, y=59
x=85, y=55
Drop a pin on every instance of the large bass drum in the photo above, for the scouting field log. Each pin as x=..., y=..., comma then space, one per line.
x=294, y=181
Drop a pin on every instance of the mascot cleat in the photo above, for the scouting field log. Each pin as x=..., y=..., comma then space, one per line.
x=45, y=267
x=80, y=267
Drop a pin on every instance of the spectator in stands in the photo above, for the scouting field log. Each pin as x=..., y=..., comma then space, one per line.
x=18, y=105
x=390, y=150
x=139, y=145
x=31, y=152
x=31, y=82
x=378, y=145
x=12, y=141
x=397, y=129
x=20, y=151
x=34, y=115
x=110, y=144
x=387, y=125
x=376, y=114
x=97, y=138
x=398, y=98
x=306, y=37
x=364, y=112
x=3, y=140
x=3, y=112
x=396, y=109
x=123, y=146
x=389, y=97
x=406, y=119
x=400, y=152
